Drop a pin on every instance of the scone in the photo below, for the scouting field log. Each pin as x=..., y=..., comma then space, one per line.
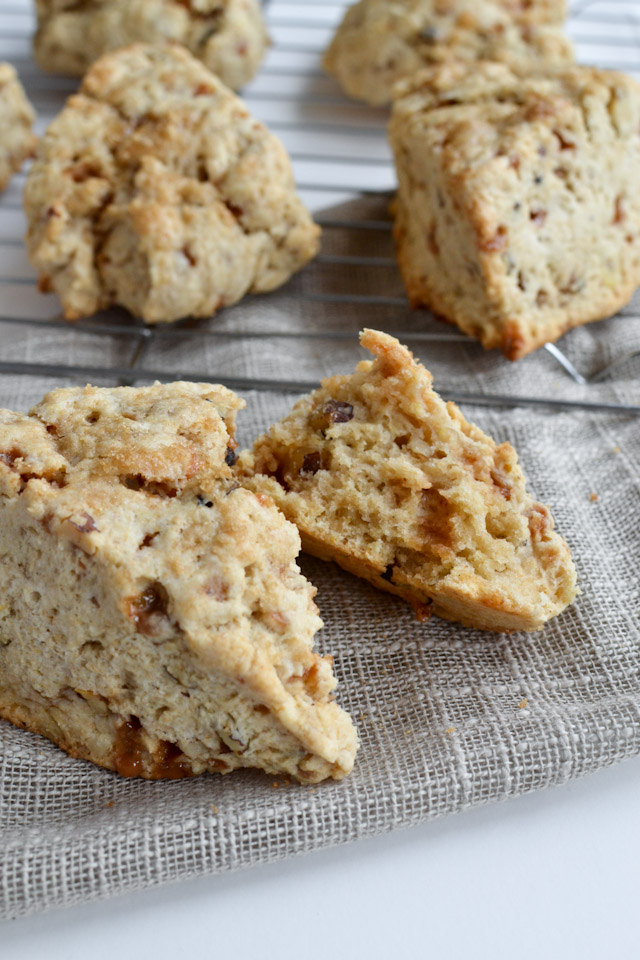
x=227, y=35
x=156, y=190
x=517, y=214
x=152, y=615
x=380, y=475
x=16, y=123
x=382, y=41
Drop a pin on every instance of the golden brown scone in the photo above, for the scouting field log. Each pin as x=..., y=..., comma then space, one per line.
x=152, y=615
x=380, y=475
x=382, y=41
x=16, y=122
x=518, y=215
x=156, y=190
x=227, y=35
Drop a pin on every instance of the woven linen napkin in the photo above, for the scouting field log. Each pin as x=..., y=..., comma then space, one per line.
x=448, y=717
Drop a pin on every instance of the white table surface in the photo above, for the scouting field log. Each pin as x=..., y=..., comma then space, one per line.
x=549, y=876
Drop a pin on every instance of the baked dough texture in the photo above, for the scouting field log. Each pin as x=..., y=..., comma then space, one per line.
x=152, y=615
x=16, y=123
x=518, y=214
x=382, y=41
x=227, y=35
x=156, y=190
x=380, y=475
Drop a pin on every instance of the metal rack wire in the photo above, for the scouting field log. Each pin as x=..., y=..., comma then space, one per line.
x=339, y=152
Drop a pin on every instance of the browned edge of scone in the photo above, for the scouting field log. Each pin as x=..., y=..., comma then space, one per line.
x=128, y=754
x=516, y=341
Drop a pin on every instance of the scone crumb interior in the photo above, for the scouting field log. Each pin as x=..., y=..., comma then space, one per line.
x=381, y=475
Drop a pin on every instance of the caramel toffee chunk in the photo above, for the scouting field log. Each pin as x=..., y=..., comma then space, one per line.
x=156, y=190
x=152, y=615
x=382, y=41
x=16, y=123
x=518, y=215
x=407, y=494
x=227, y=35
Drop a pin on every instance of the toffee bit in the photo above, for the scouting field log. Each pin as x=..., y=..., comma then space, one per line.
x=564, y=142
x=619, y=215
x=88, y=524
x=154, y=599
x=497, y=242
x=337, y=411
x=388, y=574
x=9, y=457
x=312, y=463
x=333, y=411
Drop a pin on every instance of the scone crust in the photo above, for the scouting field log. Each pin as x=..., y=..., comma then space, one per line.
x=516, y=217
x=382, y=41
x=156, y=190
x=153, y=618
x=380, y=475
x=16, y=122
x=227, y=35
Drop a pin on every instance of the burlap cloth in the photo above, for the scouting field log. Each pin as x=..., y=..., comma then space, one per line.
x=448, y=718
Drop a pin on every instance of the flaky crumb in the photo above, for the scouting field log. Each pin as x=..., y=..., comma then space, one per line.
x=414, y=498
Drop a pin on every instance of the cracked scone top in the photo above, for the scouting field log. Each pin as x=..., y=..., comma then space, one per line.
x=16, y=123
x=380, y=475
x=382, y=41
x=156, y=190
x=227, y=35
x=152, y=615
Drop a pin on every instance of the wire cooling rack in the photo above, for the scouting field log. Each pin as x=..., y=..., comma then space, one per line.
x=345, y=175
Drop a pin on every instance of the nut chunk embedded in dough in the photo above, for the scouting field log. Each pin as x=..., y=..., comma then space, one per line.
x=152, y=615
x=380, y=475
x=16, y=122
x=156, y=190
x=518, y=213
x=227, y=35
x=382, y=41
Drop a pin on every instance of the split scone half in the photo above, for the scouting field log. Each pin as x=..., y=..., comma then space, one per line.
x=382, y=41
x=156, y=190
x=517, y=215
x=16, y=122
x=227, y=35
x=152, y=615
x=380, y=475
